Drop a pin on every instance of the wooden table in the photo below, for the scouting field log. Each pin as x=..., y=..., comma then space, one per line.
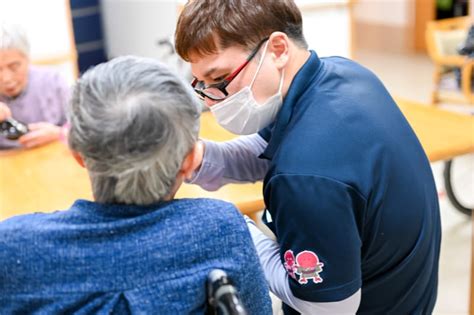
x=443, y=134
x=48, y=178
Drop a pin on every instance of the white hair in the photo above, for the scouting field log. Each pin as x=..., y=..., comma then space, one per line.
x=133, y=121
x=13, y=36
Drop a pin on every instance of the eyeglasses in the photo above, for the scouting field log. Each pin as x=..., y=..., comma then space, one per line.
x=217, y=91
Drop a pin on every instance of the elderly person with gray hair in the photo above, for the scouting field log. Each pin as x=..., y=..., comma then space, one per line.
x=135, y=249
x=32, y=95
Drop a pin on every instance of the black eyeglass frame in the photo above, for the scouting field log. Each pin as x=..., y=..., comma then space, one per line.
x=221, y=86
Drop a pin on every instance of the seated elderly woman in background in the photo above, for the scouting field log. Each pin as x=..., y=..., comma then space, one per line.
x=29, y=94
x=135, y=249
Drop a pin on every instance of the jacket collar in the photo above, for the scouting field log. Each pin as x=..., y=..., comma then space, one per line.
x=276, y=131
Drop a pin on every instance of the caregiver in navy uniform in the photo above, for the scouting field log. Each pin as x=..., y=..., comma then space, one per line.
x=348, y=189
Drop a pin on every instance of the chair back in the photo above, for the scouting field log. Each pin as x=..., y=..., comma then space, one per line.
x=443, y=37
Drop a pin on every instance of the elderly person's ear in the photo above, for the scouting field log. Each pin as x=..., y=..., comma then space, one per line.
x=78, y=158
x=192, y=161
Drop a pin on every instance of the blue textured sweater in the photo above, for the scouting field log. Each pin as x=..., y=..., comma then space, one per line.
x=119, y=259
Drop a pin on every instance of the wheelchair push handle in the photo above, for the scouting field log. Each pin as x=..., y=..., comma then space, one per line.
x=222, y=294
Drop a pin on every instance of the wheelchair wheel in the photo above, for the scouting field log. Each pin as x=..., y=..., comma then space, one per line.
x=459, y=183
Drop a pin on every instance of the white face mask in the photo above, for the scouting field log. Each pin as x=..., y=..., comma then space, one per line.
x=241, y=114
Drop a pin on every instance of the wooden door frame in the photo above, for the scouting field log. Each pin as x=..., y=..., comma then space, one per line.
x=425, y=11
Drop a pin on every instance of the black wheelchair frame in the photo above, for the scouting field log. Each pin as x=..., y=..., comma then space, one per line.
x=450, y=191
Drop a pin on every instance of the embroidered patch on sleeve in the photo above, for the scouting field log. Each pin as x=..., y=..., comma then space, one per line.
x=306, y=265
x=290, y=264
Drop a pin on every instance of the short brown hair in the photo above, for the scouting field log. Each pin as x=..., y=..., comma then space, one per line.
x=205, y=26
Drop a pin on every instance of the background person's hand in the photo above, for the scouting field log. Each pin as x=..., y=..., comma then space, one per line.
x=4, y=112
x=40, y=133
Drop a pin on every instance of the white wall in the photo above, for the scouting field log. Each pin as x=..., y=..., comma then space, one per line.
x=385, y=12
x=328, y=31
x=47, y=26
x=135, y=26
x=45, y=22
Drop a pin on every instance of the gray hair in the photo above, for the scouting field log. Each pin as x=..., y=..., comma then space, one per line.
x=133, y=121
x=13, y=36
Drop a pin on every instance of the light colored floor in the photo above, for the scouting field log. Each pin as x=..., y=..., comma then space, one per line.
x=409, y=76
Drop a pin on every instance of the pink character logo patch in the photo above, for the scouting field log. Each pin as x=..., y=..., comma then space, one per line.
x=290, y=264
x=308, y=267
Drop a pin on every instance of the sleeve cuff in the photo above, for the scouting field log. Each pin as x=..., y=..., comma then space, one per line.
x=329, y=295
